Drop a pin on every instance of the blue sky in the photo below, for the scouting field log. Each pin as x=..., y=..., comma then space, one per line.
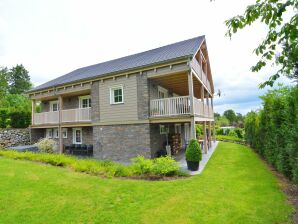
x=51, y=38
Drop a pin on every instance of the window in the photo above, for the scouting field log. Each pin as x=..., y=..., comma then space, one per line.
x=85, y=102
x=54, y=106
x=77, y=135
x=163, y=129
x=177, y=128
x=56, y=133
x=64, y=132
x=162, y=92
x=49, y=133
x=116, y=94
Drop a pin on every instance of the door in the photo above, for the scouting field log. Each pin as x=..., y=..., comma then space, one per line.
x=77, y=135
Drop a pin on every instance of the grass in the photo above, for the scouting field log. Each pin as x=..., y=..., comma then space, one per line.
x=235, y=187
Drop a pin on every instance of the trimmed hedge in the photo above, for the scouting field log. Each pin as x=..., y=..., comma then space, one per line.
x=273, y=131
x=140, y=168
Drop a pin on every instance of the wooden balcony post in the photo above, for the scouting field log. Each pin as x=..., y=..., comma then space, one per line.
x=209, y=134
x=202, y=98
x=205, y=137
x=60, y=100
x=207, y=99
x=33, y=102
x=191, y=99
x=214, y=136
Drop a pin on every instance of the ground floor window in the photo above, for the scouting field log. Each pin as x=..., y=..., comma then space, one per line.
x=177, y=128
x=56, y=133
x=64, y=132
x=77, y=135
x=186, y=132
x=49, y=133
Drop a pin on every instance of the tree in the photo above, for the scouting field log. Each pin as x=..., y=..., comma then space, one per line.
x=230, y=115
x=3, y=81
x=222, y=121
x=216, y=115
x=281, y=35
x=19, y=80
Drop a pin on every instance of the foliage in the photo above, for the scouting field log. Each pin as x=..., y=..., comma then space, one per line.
x=231, y=116
x=239, y=132
x=46, y=145
x=159, y=167
x=4, y=115
x=193, y=151
x=227, y=138
x=19, y=80
x=20, y=119
x=222, y=121
x=232, y=133
x=162, y=166
x=281, y=35
x=199, y=129
x=273, y=131
x=3, y=81
x=32, y=193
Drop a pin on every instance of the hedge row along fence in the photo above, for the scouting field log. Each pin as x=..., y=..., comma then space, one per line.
x=14, y=119
x=141, y=168
x=273, y=131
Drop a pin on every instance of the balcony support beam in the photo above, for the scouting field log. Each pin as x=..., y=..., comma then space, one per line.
x=205, y=137
x=60, y=100
x=33, y=102
x=191, y=99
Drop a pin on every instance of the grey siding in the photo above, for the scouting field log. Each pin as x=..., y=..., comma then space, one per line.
x=143, y=96
x=95, y=106
x=70, y=102
x=127, y=111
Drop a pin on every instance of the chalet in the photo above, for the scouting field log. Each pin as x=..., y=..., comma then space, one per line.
x=134, y=105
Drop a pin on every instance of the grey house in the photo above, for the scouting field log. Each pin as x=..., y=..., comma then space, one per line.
x=135, y=105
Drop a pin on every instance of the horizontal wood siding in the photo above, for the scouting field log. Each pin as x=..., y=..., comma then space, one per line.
x=118, y=112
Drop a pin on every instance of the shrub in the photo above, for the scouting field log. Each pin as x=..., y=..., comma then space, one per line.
x=232, y=133
x=165, y=166
x=239, y=132
x=145, y=168
x=193, y=151
x=233, y=139
x=46, y=145
x=4, y=115
x=141, y=165
x=20, y=119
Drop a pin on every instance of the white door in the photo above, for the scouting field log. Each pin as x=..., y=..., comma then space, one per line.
x=77, y=135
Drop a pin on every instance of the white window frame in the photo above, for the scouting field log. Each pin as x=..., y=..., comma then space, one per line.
x=81, y=98
x=163, y=129
x=74, y=135
x=51, y=105
x=64, y=132
x=178, y=129
x=55, y=133
x=49, y=133
x=112, y=97
x=162, y=90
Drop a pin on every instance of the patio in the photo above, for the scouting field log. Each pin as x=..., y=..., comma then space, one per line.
x=205, y=158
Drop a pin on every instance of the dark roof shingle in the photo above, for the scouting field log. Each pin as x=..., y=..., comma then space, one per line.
x=154, y=56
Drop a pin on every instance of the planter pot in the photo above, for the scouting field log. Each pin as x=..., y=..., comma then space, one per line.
x=192, y=166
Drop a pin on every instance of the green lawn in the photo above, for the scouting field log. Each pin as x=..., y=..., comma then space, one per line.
x=235, y=187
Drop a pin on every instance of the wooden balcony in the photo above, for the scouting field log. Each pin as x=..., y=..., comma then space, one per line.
x=71, y=115
x=197, y=68
x=174, y=106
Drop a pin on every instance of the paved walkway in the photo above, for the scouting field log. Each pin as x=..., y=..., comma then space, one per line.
x=204, y=161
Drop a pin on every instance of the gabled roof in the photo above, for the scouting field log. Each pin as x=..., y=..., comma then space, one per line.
x=186, y=48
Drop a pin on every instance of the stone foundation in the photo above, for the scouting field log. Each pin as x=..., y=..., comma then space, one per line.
x=14, y=137
x=121, y=142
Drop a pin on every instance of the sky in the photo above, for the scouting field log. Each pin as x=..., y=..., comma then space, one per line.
x=52, y=38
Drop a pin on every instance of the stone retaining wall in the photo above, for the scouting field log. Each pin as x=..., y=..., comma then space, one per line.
x=14, y=137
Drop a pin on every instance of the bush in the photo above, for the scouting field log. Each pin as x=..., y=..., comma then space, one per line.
x=20, y=119
x=232, y=133
x=239, y=132
x=193, y=151
x=160, y=167
x=233, y=139
x=46, y=145
x=4, y=115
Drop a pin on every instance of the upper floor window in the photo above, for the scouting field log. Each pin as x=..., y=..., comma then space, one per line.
x=85, y=101
x=116, y=94
x=54, y=105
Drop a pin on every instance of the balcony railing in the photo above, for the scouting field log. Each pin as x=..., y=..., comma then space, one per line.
x=71, y=115
x=178, y=106
x=197, y=67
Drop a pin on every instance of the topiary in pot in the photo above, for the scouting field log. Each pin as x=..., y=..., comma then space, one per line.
x=193, y=155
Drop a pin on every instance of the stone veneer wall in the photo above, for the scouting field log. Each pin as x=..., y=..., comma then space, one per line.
x=14, y=137
x=121, y=142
